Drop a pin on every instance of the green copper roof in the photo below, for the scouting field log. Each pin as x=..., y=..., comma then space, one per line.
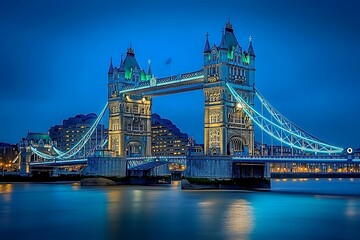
x=130, y=63
x=230, y=40
x=37, y=136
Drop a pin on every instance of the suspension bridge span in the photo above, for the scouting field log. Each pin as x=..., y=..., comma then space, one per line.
x=230, y=119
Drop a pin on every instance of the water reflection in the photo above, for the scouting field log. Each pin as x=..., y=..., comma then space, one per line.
x=66, y=211
x=239, y=219
x=5, y=192
x=351, y=210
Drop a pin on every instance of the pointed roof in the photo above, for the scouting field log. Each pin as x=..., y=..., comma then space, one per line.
x=228, y=38
x=149, y=72
x=251, y=49
x=130, y=63
x=223, y=42
x=121, y=68
x=207, y=44
x=111, y=68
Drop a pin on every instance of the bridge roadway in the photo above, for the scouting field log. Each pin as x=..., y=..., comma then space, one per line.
x=250, y=159
x=59, y=163
x=167, y=85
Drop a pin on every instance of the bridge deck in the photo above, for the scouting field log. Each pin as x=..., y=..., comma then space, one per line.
x=148, y=166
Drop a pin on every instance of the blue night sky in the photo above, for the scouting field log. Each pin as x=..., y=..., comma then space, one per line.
x=55, y=57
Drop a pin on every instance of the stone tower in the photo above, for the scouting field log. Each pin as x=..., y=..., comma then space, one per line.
x=129, y=115
x=227, y=129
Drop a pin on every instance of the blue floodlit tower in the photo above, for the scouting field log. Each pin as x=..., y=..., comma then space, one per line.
x=228, y=130
x=129, y=115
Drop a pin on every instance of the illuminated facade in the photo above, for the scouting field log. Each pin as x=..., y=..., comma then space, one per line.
x=8, y=152
x=129, y=115
x=167, y=139
x=73, y=129
x=41, y=141
x=227, y=128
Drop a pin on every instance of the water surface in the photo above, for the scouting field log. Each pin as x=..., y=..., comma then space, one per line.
x=330, y=209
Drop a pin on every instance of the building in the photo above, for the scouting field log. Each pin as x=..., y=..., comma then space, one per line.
x=73, y=129
x=166, y=138
x=8, y=153
x=227, y=129
x=129, y=115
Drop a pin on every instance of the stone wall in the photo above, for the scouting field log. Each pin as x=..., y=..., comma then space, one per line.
x=213, y=167
x=106, y=166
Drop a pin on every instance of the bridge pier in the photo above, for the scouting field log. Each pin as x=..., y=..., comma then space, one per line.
x=106, y=166
x=25, y=155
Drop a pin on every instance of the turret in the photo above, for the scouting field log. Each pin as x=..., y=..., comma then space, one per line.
x=111, y=68
x=207, y=51
x=149, y=72
x=251, y=57
x=121, y=68
x=251, y=49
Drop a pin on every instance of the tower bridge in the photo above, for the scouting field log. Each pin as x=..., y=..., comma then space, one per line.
x=227, y=79
x=227, y=129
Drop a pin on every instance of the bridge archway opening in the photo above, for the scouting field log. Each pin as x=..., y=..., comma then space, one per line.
x=214, y=152
x=134, y=149
x=235, y=146
x=184, y=109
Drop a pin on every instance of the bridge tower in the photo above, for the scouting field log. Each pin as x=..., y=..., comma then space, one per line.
x=129, y=115
x=227, y=128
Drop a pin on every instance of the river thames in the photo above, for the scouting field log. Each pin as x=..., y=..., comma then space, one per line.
x=293, y=209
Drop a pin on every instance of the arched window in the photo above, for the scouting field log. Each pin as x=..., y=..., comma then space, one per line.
x=135, y=109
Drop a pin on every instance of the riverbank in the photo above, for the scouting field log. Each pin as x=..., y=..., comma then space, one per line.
x=315, y=175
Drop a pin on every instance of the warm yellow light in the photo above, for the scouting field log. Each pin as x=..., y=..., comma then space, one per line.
x=238, y=105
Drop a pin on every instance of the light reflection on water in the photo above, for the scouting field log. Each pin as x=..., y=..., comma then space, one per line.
x=70, y=211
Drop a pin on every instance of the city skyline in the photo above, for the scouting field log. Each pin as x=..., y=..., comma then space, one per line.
x=56, y=57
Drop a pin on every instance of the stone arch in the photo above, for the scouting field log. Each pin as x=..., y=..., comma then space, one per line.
x=214, y=151
x=134, y=148
x=236, y=145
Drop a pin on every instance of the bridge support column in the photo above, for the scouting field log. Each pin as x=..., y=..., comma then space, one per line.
x=25, y=160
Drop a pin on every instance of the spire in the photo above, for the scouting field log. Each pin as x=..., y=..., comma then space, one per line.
x=111, y=68
x=228, y=27
x=251, y=49
x=207, y=45
x=149, y=72
x=223, y=42
x=130, y=51
x=121, y=69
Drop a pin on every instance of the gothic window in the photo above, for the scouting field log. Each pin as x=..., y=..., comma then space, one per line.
x=214, y=138
x=217, y=97
x=115, y=143
x=115, y=126
x=215, y=118
x=136, y=126
x=129, y=127
x=214, y=57
x=231, y=117
x=127, y=109
x=135, y=109
x=142, y=110
x=238, y=117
